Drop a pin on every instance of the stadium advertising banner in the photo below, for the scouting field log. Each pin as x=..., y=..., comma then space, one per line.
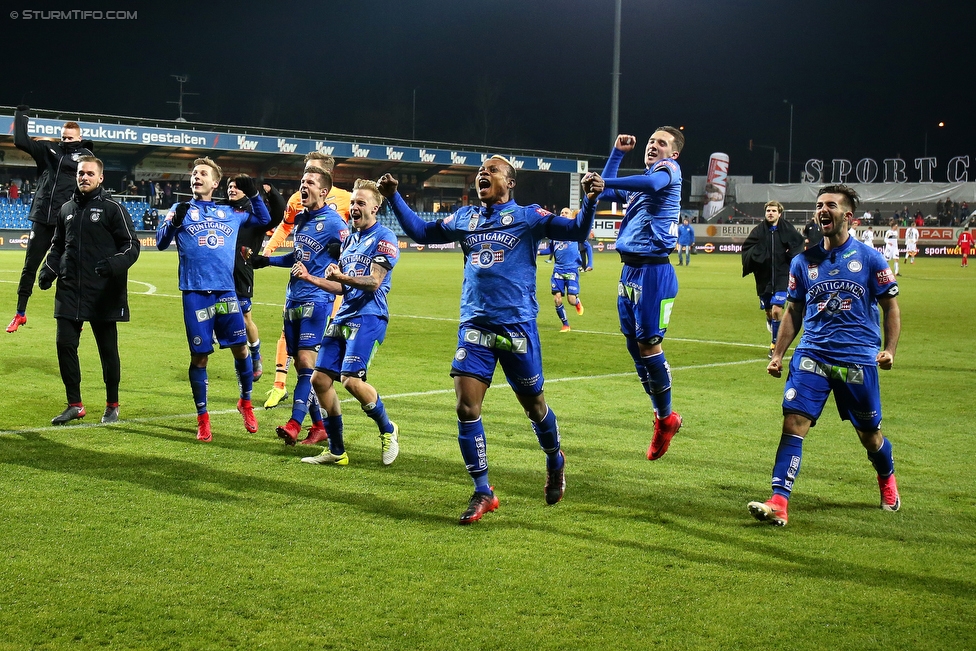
x=137, y=135
x=716, y=184
x=932, y=242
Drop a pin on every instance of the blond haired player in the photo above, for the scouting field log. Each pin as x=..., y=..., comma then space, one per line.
x=338, y=200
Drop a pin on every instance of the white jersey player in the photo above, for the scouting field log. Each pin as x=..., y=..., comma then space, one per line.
x=868, y=237
x=891, y=245
x=911, y=244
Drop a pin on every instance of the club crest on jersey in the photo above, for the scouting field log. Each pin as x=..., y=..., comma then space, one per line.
x=485, y=257
x=854, y=266
x=211, y=239
x=507, y=219
x=813, y=272
x=195, y=214
x=320, y=227
x=220, y=213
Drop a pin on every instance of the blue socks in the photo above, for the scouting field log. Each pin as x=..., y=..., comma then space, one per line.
x=333, y=427
x=245, y=376
x=659, y=381
x=377, y=412
x=302, y=397
x=255, y=351
x=882, y=460
x=198, y=384
x=471, y=439
x=775, y=326
x=561, y=313
x=547, y=431
x=787, y=465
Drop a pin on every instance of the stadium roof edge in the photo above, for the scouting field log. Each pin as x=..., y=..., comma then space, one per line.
x=101, y=118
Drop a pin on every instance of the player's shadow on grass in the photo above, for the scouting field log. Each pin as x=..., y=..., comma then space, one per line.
x=205, y=482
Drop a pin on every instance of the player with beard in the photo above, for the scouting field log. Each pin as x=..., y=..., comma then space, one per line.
x=318, y=233
x=835, y=290
x=498, y=312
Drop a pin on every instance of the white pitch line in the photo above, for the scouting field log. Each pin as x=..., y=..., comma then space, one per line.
x=392, y=396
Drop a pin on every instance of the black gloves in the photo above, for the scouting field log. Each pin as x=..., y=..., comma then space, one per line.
x=46, y=278
x=180, y=215
x=103, y=268
x=246, y=185
x=334, y=249
x=260, y=261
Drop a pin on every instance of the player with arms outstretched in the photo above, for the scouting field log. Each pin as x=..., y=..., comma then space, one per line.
x=206, y=238
x=648, y=284
x=499, y=308
x=834, y=293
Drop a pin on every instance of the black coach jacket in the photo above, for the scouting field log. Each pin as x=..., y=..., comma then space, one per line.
x=92, y=228
x=57, y=165
x=767, y=255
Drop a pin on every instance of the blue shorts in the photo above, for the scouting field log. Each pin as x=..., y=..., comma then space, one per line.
x=210, y=316
x=304, y=325
x=645, y=297
x=767, y=301
x=856, y=391
x=245, y=304
x=517, y=349
x=565, y=283
x=349, y=345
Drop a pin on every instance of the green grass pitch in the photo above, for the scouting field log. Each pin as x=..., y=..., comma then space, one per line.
x=136, y=536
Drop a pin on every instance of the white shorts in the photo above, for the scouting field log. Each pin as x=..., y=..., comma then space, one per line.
x=911, y=247
x=891, y=252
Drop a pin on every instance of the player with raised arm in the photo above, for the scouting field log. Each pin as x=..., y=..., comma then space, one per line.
x=499, y=308
x=351, y=340
x=318, y=233
x=835, y=290
x=648, y=284
x=206, y=239
x=565, y=273
x=891, y=244
x=338, y=200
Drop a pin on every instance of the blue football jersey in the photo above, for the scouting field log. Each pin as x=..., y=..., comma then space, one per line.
x=314, y=233
x=839, y=291
x=650, y=223
x=568, y=258
x=207, y=242
x=499, y=245
x=363, y=249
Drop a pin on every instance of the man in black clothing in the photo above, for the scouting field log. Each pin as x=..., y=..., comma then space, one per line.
x=94, y=245
x=56, y=167
x=766, y=254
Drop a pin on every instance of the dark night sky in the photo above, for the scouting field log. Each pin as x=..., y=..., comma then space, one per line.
x=866, y=78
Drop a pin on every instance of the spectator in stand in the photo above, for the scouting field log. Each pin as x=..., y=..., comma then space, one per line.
x=167, y=193
x=919, y=219
x=57, y=164
x=12, y=192
x=147, y=220
x=157, y=194
x=940, y=210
